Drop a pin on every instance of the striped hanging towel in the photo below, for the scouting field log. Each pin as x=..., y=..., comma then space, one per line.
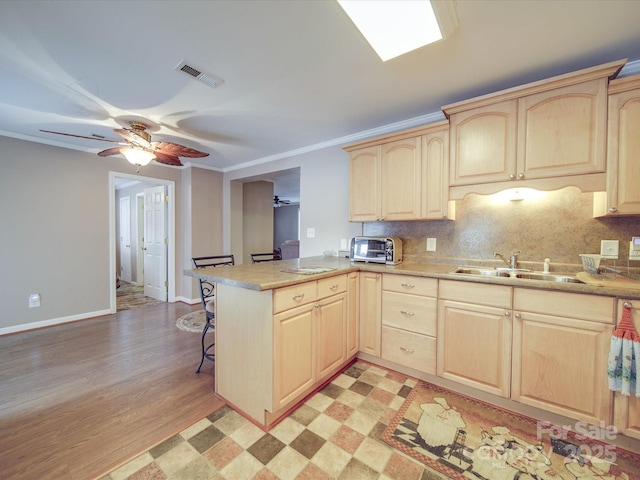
x=624, y=356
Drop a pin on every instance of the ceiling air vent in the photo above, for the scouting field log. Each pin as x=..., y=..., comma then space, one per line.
x=198, y=74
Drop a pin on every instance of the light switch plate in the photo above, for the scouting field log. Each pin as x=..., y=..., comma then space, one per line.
x=609, y=248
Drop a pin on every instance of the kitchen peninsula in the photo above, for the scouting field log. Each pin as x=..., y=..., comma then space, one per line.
x=285, y=328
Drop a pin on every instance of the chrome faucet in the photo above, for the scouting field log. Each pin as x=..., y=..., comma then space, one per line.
x=513, y=259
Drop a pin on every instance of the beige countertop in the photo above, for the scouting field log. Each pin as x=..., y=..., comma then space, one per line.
x=270, y=275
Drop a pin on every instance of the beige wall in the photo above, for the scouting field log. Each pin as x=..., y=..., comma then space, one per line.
x=257, y=218
x=54, y=239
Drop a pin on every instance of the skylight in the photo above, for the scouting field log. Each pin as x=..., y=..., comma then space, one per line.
x=395, y=27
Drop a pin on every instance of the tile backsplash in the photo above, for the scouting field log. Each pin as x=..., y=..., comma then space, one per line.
x=558, y=226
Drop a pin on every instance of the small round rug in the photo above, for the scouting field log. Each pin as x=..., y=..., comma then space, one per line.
x=192, y=322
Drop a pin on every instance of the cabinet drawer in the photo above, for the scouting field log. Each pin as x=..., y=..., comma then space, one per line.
x=476, y=293
x=408, y=284
x=332, y=285
x=410, y=312
x=408, y=349
x=563, y=304
x=293, y=296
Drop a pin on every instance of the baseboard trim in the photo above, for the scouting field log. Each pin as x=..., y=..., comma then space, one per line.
x=188, y=301
x=23, y=327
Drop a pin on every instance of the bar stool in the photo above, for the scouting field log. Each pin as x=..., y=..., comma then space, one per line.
x=207, y=295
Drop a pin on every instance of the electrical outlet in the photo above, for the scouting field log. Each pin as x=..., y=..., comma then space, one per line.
x=311, y=232
x=609, y=248
x=431, y=244
x=34, y=300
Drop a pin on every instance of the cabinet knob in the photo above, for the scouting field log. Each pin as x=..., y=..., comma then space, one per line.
x=613, y=210
x=444, y=215
x=521, y=176
x=507, y=314
x=512, y=176
x=627, y=305
x=517, y=315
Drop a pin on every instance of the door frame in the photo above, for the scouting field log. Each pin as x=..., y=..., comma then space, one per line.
x=171, y=232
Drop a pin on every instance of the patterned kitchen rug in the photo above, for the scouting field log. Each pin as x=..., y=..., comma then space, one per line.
x=465, y=438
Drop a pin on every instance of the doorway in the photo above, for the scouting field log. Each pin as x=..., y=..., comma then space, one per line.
x=161, y=276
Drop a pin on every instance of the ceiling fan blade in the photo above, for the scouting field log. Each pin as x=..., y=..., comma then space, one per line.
x=167, y=159
x=82, y=136
x=110, y=151
x=132, y=137
x=174, y=149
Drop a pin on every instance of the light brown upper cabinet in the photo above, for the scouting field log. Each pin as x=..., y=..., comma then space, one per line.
x=547, y=135
x=401, y=176
x=622, y=196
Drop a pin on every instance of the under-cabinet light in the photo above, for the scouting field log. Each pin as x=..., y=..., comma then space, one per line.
x=516, y=195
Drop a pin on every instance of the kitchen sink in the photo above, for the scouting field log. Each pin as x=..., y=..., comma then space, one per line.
x=485, y=272
x=548, y=277
x=524, y=275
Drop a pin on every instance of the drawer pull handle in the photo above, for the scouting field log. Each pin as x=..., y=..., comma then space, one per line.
x=408, y=285
x=408, y=350
x=627, y=305
x=408, y=314
x=300, y=296
x=317, y=305
x=333, y=287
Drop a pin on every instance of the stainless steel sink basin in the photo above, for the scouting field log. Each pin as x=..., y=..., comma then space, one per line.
x=548, y=277
x=507, y=273
x=485, y=272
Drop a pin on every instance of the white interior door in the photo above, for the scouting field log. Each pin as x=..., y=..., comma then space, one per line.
x=125, y=239
x=140, y=239
x=155, y=243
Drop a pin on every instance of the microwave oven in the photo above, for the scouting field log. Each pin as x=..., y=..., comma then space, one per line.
x=386, y=250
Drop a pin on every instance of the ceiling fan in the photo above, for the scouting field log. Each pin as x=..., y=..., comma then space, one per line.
x=138, y=148
x=278, y=203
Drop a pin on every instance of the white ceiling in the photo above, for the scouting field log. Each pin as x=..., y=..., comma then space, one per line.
x=297, y=74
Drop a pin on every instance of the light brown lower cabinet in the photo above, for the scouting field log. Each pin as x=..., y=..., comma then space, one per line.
x=275, y=347
x=409, y=312
x=370, y=312
x=560, y=350
x=474, y=335
x=310, y=344
x=541, y=348
x=627, y=408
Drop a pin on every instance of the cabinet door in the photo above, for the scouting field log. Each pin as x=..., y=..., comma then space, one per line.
x=294, y=353
x=563, y=131
x=559, y=365
x=474, y=346
x=435, y=176
x=353, y=311
x=483, y=144
x=401, y=179
x=623, y=167
x=627, y=408
x=370, y=312
x=331, y=334
x=364, y=185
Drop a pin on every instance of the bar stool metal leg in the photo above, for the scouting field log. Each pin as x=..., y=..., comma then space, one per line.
x=206, y=353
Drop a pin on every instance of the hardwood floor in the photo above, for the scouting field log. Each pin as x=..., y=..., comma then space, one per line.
x=77, y=400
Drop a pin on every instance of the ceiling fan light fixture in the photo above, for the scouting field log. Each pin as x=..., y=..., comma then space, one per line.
x=137, y=157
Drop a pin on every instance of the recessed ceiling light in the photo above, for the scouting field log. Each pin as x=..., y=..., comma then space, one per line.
x=395, y=27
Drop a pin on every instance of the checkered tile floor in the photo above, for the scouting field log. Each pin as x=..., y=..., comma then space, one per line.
x=334, y=435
